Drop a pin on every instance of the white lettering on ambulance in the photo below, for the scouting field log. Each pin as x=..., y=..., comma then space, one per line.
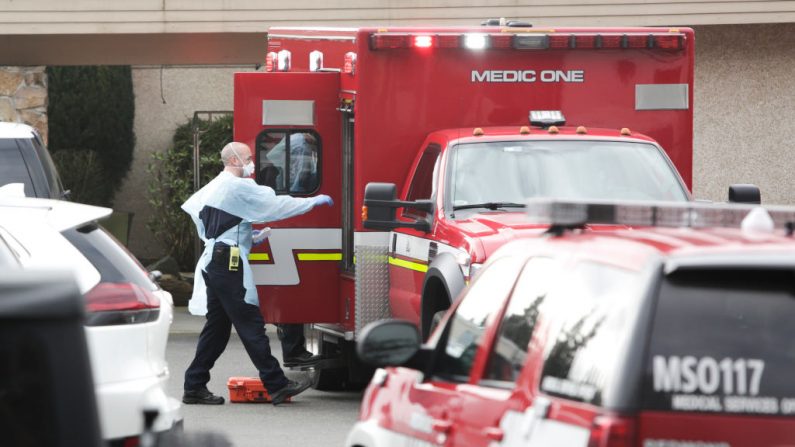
x=787, y=405
x=692, y=402
x=528, y=76
x=689, y=374
x=759, y=405
x=583, y=391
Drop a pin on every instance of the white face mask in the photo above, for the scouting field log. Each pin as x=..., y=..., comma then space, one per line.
x=248, y=168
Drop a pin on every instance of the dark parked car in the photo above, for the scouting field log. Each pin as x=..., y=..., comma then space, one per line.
x=24, y=159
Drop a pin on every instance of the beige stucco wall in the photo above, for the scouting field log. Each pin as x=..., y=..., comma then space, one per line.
x=744, y=110
x=184, y=90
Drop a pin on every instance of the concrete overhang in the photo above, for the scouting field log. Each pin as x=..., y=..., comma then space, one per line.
x=133, y=49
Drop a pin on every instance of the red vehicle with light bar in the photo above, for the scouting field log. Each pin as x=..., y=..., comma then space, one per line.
x=443, y=112
x=673, y=329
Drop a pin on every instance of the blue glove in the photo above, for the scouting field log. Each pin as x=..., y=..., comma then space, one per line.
x=322, y=199
x=259, y=236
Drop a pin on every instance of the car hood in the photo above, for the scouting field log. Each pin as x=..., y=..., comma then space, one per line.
x=493, y=229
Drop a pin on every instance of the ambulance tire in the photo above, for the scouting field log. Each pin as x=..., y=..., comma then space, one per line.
x=330, y=379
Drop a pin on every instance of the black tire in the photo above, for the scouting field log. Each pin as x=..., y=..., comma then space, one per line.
x=330, y=379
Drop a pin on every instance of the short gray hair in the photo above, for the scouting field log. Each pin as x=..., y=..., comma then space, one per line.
x=231, y=149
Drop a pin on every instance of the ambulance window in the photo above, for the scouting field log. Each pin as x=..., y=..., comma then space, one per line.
x=464, y=332
x=509, y=351
x=423, y=182
x=300, y=150
x=721, y=342
x=590, y=311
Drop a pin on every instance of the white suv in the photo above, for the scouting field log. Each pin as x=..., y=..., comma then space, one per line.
x=127, y=314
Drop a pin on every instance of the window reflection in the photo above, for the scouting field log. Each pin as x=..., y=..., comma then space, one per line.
x=473, y=315
x=299, y=149
x=510, y=348
x=589, y=316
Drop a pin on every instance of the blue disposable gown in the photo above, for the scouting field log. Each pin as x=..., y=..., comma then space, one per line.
x=244, y=198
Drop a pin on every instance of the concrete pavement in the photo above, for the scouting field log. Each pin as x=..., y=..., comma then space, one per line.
x=315, y=418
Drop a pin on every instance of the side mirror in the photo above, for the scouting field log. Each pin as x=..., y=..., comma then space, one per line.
x=155, y=275
x=381, y=202
x=745, y=193
x=388, y=343
x=66, y=195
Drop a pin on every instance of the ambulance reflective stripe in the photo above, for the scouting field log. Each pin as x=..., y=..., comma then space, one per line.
x=408, y=264
x=259, y=257
x=320, y=256
x=284, y=242
x=412, y=252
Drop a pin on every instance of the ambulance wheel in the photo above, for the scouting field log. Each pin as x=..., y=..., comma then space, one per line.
x=330, y=379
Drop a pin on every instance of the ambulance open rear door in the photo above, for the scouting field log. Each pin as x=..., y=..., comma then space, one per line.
x=291, y=122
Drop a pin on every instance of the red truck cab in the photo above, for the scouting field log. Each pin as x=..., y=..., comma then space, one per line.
x=477, y=181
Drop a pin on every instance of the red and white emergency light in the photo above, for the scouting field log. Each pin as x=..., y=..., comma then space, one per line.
x=650, y=214
x=549, y=41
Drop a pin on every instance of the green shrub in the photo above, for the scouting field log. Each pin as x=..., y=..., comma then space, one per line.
x=93, y=108
x=171, y=183
x=81, y=173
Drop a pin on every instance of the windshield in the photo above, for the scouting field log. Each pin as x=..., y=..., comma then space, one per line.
x=508, y=172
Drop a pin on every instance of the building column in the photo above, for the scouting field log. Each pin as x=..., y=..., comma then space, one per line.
x=23, y=97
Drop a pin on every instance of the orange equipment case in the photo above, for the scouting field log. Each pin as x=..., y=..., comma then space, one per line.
x=248, y=389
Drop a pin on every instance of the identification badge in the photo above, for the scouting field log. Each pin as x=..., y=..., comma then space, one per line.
x=234, y=258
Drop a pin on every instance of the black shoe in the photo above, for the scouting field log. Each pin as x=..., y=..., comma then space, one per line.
x=304, y=358
x=293, y=387
x=203, y=397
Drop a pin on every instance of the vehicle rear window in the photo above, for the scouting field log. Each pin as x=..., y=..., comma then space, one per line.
x=13, y=168
x=722, y=342
x=114, y=263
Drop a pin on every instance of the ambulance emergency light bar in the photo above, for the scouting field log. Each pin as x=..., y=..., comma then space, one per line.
x=574, y=213
x=530, y=41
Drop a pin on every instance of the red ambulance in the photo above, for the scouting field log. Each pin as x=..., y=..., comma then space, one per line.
x=452, y=129
x=672, y=329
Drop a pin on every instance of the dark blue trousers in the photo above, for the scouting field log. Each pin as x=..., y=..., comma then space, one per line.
x=292, y=338
x=226, y=307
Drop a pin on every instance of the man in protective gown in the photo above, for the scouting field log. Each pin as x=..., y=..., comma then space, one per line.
x=224, y=289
